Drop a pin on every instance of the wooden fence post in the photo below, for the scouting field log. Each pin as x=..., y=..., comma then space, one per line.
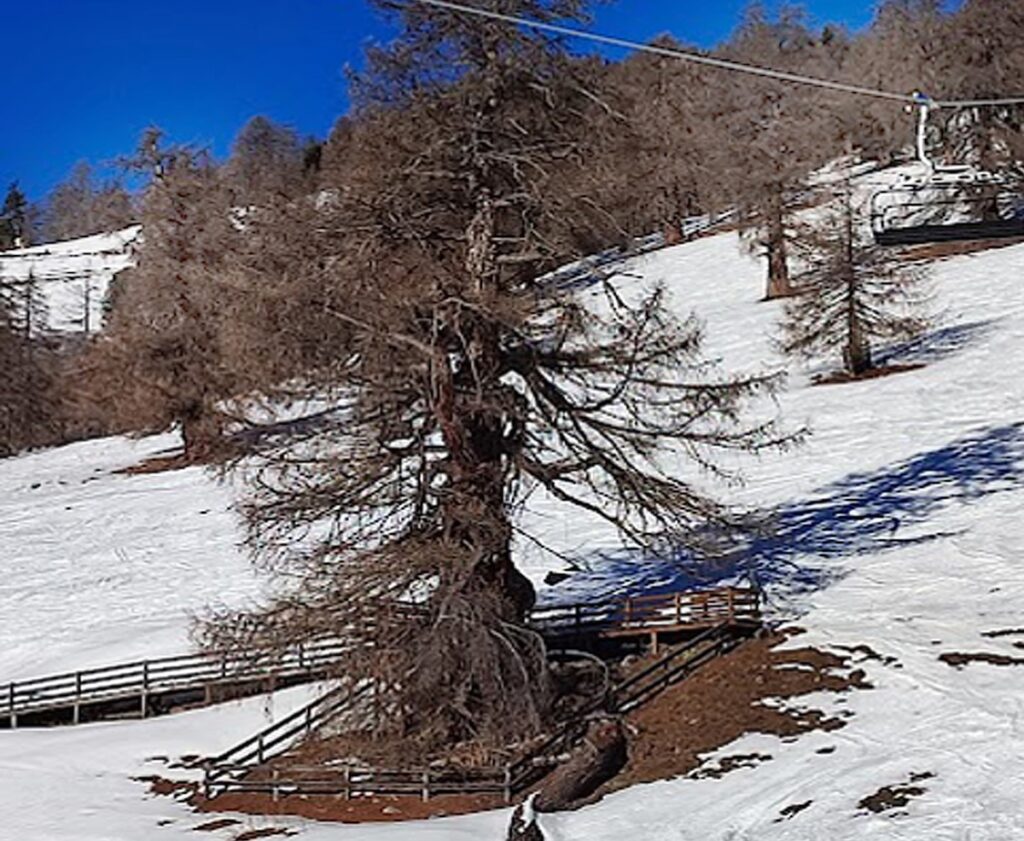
x=259, y=749
x=10, y=706
x=346, y=776
x=679, y=608
x=274, y=795
x=143, y=702
x=76, y=714
x=426, y=786
x=508, y=784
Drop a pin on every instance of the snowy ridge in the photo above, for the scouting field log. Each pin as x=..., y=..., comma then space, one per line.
x=73, y=276
x=897, y=526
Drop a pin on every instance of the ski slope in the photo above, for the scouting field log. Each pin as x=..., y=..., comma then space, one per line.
x=73, y=276
x=896, y=526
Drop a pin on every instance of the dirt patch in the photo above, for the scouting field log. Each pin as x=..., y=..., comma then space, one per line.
x=792, y=811
x=179, y=460
x=727, y=764
x=1007, y=632
x=888, y=798
x=958, y=659
x=163, y=787
x=158, y=464
x=252, y=834
x=840, y=377
x=356, y=810
x=726, y=699
x=213, y=826
x=866, y=652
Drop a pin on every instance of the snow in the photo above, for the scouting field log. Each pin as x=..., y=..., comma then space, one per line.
x=101, y=567
x=74, y=276
x=897, y=526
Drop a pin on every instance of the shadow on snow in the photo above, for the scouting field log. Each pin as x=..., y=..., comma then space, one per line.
x=937, y=345
x=800, y=547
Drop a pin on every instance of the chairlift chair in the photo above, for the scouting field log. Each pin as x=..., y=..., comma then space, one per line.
x=953, y=203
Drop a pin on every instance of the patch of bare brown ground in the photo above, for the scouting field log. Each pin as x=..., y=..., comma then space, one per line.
x=840, y=377
x=939, y=250
x=181, y=789
x=713, y=707
x=253, y=834
x=888, y=798
x=213, y=826
x=160, y=464
x=958, y=659
x=355, y=810
x=724, y=700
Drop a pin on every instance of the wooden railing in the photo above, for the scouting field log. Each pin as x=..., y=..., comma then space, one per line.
x=147, y=678
x=637, y=614
x=349, y=781
x=672, y=667
x=239, y=769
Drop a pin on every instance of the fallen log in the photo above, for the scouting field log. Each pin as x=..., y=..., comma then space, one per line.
x=597, y=759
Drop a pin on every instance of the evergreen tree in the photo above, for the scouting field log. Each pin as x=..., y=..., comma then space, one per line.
x=268, y=163
x=80, y=206
x=14, y=219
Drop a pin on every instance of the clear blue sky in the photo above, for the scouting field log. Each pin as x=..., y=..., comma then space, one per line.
x=82, y=78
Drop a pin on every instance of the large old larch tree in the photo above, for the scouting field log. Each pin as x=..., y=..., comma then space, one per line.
x=467, y=379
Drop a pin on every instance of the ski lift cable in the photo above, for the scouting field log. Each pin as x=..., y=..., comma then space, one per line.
x=724, y=64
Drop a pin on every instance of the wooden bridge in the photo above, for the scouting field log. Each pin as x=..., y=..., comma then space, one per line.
x=668, y=616
x=147, y=687
x=704, y=625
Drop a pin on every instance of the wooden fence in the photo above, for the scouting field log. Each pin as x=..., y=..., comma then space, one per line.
x=146, y=680
x=641, y=614
x=244, y=769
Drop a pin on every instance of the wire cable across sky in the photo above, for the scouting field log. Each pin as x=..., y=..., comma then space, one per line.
x=711, y=61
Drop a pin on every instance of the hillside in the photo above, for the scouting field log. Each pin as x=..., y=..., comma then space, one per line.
x=894, y=528
x=73, y=276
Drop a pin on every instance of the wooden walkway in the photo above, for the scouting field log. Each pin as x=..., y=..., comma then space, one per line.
x=152, y=687
x=666, y=616
x=709, y=623
x=149, y=687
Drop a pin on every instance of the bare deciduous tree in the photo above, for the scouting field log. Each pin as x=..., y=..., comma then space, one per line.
x=470, y=381
x=79, y=206
x=851, y=293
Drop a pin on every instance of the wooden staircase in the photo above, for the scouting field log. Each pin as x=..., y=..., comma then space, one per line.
x=247, y=767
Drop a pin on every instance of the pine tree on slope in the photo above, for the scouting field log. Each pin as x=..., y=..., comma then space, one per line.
x=850, y=294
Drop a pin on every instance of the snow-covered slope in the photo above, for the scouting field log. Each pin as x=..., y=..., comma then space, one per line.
x=100, y=567
x=73, y=276
x=896, y=526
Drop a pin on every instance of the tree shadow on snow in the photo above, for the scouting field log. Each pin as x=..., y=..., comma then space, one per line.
x=938, y=344
x=800, y=547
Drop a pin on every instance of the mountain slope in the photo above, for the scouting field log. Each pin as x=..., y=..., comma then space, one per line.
x=896, y=527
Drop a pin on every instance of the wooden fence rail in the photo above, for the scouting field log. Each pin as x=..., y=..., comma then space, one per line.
x=697, y=609
x=239, y=769
x=146, y=678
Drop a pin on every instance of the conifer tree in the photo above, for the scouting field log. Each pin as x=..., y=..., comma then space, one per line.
x=471, y=382
x=14, y=219
x=850, y=294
